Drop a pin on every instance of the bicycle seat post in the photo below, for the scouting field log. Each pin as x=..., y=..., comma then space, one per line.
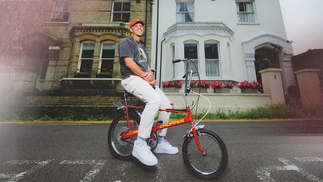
x=125, y=95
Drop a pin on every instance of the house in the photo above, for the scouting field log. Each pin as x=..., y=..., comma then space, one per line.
x=227, y=39
x=62, y=55
x=58, y=55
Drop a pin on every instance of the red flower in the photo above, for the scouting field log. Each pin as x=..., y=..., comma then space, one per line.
x=218, y=84
x=202, y=83
x=175, y=83
x=246, y=84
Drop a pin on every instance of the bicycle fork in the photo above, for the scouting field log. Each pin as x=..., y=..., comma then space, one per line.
x=193, y=133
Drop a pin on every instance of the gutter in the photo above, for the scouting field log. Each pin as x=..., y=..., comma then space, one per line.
x=160, y=62
x=157, y=31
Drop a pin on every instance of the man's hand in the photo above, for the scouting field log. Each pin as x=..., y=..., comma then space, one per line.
x=149, y=77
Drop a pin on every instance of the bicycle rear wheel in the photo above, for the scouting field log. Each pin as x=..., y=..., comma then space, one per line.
x=213, y=163
x=122, y=148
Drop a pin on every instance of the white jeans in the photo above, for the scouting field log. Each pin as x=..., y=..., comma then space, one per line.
x=154, y=99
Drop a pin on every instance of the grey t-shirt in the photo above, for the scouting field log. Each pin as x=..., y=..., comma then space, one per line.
x=129, y=47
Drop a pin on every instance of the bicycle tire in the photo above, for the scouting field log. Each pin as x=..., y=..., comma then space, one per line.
x=213, y=163
x=122, y=149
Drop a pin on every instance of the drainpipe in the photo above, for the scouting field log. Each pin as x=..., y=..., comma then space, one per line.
x=160, y=62
x=157, y=27
x=146, y=12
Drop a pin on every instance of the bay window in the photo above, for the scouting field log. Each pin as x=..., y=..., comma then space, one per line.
x=207, y=65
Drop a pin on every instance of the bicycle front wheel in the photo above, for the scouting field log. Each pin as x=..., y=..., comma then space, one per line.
x=213, y=163
x=122, y=148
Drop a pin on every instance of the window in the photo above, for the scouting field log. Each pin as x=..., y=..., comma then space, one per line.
x=245, y=12
x=190, y=52
x=184, y=11
x=211, y=59
x=86, y=59
x=107, y=59
x=121, y=11
x=61, y=11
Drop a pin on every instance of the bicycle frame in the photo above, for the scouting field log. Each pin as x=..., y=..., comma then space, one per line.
x=189, y=119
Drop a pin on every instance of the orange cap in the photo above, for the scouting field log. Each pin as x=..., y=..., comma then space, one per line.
x=135, y=21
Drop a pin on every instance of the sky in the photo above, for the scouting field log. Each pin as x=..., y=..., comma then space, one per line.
x=303, y=23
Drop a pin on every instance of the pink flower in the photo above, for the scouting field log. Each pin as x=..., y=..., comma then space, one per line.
x=202, y=83
x=246, y=84
x=218, y=84
x=175, y=83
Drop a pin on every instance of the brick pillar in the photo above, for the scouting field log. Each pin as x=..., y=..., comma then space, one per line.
x=53, y=55
x=309, y=87
x=272, y=84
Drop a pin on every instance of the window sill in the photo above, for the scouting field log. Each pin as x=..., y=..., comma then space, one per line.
x=58, y=23
x=247, y=23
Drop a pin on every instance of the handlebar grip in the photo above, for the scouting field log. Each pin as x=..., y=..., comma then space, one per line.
x=177, y=60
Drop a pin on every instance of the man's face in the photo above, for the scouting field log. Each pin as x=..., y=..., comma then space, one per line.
x=137, y=29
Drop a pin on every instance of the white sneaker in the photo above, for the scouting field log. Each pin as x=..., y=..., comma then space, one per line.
x=143, y=154
x=165, y=148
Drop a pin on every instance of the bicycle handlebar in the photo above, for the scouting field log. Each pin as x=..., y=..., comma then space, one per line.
x=179, y=60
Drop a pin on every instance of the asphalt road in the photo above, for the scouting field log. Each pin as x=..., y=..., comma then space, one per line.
x=258, y=151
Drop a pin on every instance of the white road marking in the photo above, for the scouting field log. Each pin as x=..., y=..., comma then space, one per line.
x=93, y=172
x=309, y=159
x=16, y=177
x=263, y=173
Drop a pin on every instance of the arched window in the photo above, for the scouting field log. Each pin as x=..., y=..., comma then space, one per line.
x=191, y=53
x=211, y=59
x=106, y=59
x=86, y=58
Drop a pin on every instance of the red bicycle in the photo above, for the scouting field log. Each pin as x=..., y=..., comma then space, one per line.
x=204, y=153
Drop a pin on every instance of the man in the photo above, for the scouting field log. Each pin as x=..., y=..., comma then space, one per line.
x=138, y=80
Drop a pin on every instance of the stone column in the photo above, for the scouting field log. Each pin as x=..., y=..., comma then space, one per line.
x=272, y=84
x=53, y=55
x=309, y=87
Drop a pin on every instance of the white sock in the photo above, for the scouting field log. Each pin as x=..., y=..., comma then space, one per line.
x=141, y=140
x=160, y=139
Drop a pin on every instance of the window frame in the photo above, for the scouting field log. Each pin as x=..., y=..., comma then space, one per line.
x=201, y=59
x=61, y=15
x=179, y=14
x=81, y=59
x=121, y=11
x=109, y=70
x=216, y=60
x=195, y=60
x=243, y=16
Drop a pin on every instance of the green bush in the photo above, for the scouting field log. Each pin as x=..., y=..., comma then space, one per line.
x=279, y=111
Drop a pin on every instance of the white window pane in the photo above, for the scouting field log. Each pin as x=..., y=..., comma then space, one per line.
x=88, y=46
x=193, y=65
x=245, y=12
x=212, y=68
x=185, y=12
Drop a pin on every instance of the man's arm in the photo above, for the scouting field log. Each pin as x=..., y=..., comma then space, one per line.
x=148, y=76
x=130, y=63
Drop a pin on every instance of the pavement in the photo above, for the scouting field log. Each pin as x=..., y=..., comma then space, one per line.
x=205, y=120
